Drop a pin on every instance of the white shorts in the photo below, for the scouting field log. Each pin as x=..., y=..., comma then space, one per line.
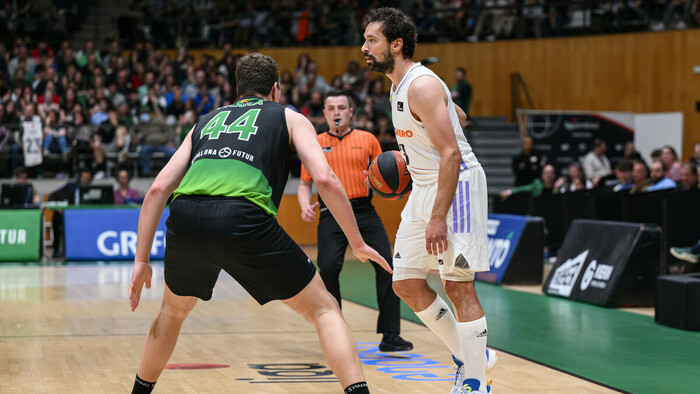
x=467, y=241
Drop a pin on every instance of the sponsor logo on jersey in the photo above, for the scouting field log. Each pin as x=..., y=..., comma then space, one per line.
x=441, y=313
x=225, y=152
x=399, y=106
x=404, y=133
x=326, y=149
x=248, y=103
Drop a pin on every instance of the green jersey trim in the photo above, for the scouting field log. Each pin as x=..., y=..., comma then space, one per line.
x=229, y=178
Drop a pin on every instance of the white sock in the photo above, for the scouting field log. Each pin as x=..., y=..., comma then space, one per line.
x=438, y=317
x=473, y=350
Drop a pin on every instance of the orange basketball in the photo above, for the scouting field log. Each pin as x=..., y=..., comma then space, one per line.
x=389, y=176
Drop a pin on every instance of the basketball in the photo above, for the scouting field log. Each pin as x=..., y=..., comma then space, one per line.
x=389, y=176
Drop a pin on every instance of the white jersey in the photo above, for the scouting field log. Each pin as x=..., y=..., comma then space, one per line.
x=422, y=159
x=32, y=137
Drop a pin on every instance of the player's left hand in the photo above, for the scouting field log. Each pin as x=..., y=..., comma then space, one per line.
x=141, y=274
x=366, y=180
x=436, y=236
x=365, y=252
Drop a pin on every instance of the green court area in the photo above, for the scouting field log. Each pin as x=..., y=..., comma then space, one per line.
x=619, y=349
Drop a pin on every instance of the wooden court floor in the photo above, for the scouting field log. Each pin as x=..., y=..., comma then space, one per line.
x=68, y=329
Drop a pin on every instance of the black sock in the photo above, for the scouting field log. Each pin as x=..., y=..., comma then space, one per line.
x=357, y=388
x=142, y=387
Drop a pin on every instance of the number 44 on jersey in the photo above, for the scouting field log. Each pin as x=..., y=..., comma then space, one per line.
x=244, y=125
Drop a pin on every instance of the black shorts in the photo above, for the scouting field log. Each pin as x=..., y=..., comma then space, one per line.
x=208, y=234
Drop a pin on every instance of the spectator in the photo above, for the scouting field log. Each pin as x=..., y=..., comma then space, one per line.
x=54, y=134
x=640, y=178
x=568, y=183
x=22, y=177
x=385, y=134
x=380, y=98
x=313, y=110
x=123, y=194
x=540, y=186
x=623, y=172
x=83, y=56
x=534, y=17
x=595, y=164
x=352, y=73
x=32, y=137
x=111, y=137
x=526, y=166
x=157, y=137
x=695, y=159
x=81, y=133
x=630, y=151
x=48, y=101
x=670, y=159
x=659, y=180
x=462, y=90
x=99, y=113
x=204, y=100
x=689, y=177
x=689, y=254
x=313, y=79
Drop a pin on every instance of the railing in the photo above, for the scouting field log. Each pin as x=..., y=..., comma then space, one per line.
x=518, y=87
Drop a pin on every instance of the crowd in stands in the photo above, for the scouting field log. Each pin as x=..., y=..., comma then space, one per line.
x=248, y=24
x=632, y=174
x=64, y=109
x=338, y=22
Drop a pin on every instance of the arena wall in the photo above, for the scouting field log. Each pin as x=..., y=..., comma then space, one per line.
x=641, y=72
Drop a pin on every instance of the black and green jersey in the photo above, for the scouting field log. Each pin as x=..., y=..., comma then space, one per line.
x=241, y=150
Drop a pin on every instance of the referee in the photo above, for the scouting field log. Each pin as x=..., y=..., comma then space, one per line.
x=349, y=152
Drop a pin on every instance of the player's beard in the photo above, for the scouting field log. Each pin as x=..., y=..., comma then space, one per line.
x=386, y=66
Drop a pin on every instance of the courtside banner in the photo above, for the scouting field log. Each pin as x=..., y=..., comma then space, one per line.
x=108, y=234
x=20, y=234
x=504, y=233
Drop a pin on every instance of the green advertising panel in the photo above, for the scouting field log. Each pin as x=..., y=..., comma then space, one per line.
x=20, y=234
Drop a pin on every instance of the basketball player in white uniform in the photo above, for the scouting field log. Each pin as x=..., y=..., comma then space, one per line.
x=443, y=225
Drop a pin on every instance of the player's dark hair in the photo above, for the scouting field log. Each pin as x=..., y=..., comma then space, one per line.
x=395, y=24
x=339, y=93
x=256, y=74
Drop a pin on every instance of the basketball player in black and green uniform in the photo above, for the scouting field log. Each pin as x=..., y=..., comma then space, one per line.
x=227, y=179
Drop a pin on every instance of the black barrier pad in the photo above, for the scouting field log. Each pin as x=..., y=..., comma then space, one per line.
x=607, y=263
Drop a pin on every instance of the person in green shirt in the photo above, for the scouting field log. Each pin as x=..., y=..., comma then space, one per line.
x=544, y=185
x=462, y=90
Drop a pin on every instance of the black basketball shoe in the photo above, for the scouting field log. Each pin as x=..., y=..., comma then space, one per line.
x=392, y=342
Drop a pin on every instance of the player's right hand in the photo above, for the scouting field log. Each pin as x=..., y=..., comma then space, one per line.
x=308, y=214
x=365, y=253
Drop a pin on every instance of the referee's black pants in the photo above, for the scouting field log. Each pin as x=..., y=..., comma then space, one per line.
x=331, y=255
